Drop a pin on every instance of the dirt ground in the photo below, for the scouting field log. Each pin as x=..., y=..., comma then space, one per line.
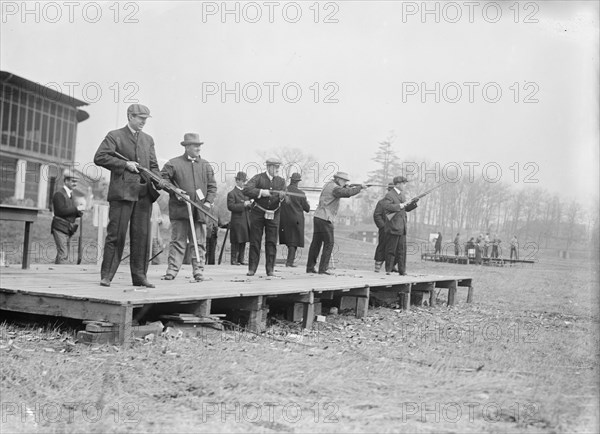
x=522, y=358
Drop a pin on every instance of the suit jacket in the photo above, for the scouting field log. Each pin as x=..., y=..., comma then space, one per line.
x=291, y=223
x=395, y=216
x=379, y=215
x=64, y=208
x=239, y=225
x=189, y=176
x=126, y=185
x=262, y=182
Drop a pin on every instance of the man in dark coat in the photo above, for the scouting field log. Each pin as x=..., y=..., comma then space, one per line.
x=268, y=190
x=194, y=177
x=130, y=195
x=379, y=219
x=396, y=207
x=65, y=213
x=291, y=226
x=329, y=203
x=438, y=244
x=239, y=224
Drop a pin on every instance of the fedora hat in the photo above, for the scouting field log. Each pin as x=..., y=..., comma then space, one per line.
x=342, y=175
x=191, y=139
x=296, y=177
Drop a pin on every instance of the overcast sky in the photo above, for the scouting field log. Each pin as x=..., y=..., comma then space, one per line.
x=372, y=61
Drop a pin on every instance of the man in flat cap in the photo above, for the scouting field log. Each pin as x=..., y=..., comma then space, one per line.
x=66, y=211
x=379, y=219
x=194, y=177
x=329, y=203
x=239, y=224
x=268, y=190
x=130, y=195
x=291, y=226
x=395, y=207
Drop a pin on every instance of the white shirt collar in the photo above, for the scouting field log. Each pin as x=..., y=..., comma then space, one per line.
x=238, y=187
x=270, y=177
x=68, y=190
x=131, y=129
x=398, y=191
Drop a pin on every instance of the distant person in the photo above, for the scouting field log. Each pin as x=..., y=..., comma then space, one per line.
x=291, y=226
x=495, y=246
x=470, y=247
x=130, y=195
x=268, y=191
x=379, y=219
x=479, y=245
x=486, y=245
x=514, y=247
x=239, y=224
x=66, y=211
x=457, y=245
x=191, y=176
x=327, y=209
x=396, y=207
x=438, y=244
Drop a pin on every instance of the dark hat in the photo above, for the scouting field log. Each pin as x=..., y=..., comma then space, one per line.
x=390, y=185
x=296, y=177
x=191, y=139
x=399, y=180
x=342, y=175
x=139, y=110
x=70, y=174
x=241, y=176
x=273, y=162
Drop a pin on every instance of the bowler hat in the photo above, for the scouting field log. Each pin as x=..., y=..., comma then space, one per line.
x=139, y=110
x=70, y=174
x=191, y=139
x=273, y=162
x=399, y=180
x=241, y=176
x=296, y=177
x=342, y=175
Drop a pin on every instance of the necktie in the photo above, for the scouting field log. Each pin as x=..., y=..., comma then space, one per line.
x=193, y=160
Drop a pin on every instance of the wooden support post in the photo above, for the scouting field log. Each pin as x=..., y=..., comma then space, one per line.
x=470, y=294
x=452, y=293
x=308, y=315
x=201, y=308
x=404, y=296
x=432, y=294
x=125, y=331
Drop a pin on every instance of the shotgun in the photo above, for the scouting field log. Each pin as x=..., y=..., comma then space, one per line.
x=80, y=243
x=223, y=245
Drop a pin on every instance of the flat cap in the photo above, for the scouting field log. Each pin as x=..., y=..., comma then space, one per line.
x=70, y=174
x=138, y=110
x=273, y=162
x=399, y=180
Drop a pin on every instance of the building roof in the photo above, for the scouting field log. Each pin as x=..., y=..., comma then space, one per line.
x=8, y=77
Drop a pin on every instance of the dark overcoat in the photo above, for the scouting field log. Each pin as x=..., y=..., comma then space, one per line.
x=291, y=223
x=239, y=225
x=190, y=176
x=396, y=217
x=126, y=185
x=63, y=207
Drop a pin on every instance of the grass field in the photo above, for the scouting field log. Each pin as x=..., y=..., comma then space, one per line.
x=522, y=358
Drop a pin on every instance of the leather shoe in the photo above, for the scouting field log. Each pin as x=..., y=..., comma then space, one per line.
x=242, y=263
x=311, y=271
x=104, y=282
x=167, y=277
x=250, y=273
x=326, y=272
x=144, y=283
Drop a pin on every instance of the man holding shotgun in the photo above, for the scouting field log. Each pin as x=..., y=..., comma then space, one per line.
x=193, y=179
x=130, y=195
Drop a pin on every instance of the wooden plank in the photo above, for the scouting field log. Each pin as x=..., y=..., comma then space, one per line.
x=452, y=294
x=125, y=332
x=308, y=315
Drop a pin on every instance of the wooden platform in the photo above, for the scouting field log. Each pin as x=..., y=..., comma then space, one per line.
x=73, y=291
x=499, y=262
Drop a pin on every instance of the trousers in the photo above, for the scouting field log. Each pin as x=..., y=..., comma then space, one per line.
x=270, y=227
x=395, y=253
x=322, y=237
x=181, y=233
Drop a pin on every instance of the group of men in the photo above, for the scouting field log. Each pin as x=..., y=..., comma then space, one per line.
x=391, y=220
x=261, y=205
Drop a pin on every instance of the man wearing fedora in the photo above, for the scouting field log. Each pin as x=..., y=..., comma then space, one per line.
x=130, y=195
x=66, y=211
x=329, y=203
x=379, y=219
x=291, y=226
x=268, y=190
x=395, y=207
x=239, y=224
x=194, y=177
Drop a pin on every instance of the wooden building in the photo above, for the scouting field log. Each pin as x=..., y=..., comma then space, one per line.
x=38, y=130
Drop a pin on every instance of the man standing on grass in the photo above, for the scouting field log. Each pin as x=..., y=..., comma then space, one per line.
x=193, y=177
x=329, y=203
x=65, y=210
x=396, y=207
